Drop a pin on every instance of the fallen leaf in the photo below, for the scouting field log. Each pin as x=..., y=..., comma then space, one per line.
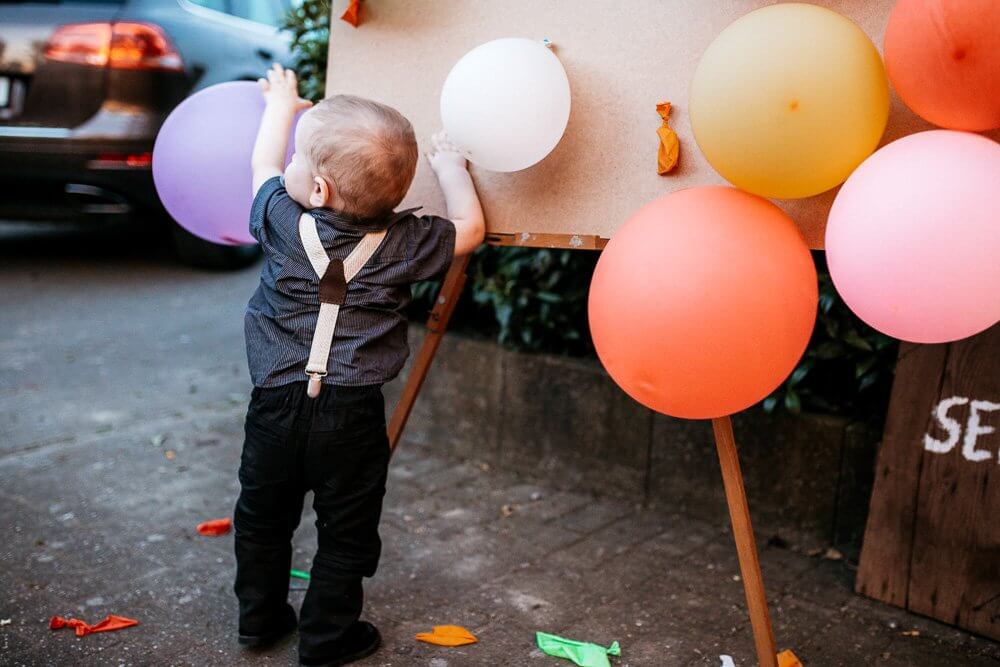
x=788, y=659
x=215, y=527
x=447, y=635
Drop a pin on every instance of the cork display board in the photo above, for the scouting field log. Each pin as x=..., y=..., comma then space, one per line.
x=621, y=60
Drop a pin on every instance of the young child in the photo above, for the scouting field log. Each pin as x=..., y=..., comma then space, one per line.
x=353, y=163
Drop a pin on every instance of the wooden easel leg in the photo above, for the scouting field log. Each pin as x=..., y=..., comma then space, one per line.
x=437, y=322
x=746, y=548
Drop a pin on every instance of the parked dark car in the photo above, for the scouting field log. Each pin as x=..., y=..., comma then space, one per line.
x=85, y=86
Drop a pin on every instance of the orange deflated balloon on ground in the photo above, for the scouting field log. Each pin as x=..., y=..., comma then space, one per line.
x=703, y=302
x=943, y=57
x=788, y=100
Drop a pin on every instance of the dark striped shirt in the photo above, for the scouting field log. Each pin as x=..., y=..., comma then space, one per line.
x=369, y=346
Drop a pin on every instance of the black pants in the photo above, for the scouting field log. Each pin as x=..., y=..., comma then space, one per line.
x=336, y=446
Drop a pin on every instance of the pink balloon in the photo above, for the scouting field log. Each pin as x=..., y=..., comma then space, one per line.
x=913, y=239
x=201, y=161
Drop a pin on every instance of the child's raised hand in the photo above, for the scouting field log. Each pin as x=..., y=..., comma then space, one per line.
x=281, y=87
x=444, y=155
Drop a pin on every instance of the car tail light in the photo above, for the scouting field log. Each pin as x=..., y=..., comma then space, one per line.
x=122, y=161
x=122, y=45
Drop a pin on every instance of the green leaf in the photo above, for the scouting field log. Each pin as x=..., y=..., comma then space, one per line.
x=503, y=313
x=799, y=373
x=865, y=365
x=867, y=381
x=827, y=350
x=548, y=297
x=854, y=339
x=792, y=402
x=826, y=302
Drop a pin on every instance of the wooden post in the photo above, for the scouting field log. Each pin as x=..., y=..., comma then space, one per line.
x=437, y=322
x=746, y=547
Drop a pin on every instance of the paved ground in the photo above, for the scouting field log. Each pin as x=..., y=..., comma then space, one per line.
x=122, y=388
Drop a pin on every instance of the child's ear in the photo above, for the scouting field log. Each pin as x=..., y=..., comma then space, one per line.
x=321, y=193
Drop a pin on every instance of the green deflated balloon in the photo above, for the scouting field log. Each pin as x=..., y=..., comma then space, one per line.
x=583, y=654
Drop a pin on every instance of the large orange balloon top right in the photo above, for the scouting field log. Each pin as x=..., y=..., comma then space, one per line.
x=943, y=59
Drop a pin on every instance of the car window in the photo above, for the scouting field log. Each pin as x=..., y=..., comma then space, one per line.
x=269, y=12
x=217, y=5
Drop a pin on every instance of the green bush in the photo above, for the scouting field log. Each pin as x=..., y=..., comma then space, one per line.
x=524, y=298
x=309, y=27
x=536, y=299
x=848, y=367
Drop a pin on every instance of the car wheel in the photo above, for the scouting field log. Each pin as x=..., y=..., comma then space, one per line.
x=198, y=252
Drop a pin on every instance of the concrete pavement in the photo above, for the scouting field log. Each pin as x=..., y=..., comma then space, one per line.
x=122, y=389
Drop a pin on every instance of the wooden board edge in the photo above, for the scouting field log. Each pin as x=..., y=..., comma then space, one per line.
x=545, y=240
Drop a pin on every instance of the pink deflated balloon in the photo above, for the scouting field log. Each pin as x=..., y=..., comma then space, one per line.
x=913, y=239
x=201, y=161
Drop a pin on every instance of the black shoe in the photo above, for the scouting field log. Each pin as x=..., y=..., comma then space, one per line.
x=360, y=641
x=286, y=624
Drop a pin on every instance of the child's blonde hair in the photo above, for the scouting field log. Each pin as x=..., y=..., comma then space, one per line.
x=368, y=152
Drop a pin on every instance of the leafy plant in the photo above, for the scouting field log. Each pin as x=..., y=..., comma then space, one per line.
x=309, y=25
x=847, y=368
x=524, y=298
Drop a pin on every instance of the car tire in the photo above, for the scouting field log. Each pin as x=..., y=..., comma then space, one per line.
x=198, y=252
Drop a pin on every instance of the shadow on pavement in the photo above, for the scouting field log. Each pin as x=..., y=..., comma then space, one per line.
x=137, y=240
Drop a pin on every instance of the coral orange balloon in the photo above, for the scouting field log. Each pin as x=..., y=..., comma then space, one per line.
x=943, y=57
x=703, y=302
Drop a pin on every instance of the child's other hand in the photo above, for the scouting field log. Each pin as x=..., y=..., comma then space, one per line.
x=281, y=87
x=444, y=155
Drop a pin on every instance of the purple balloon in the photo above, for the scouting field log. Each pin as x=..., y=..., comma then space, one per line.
x=201, y=161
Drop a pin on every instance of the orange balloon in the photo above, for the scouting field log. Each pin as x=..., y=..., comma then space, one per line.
x=703, y=302
x=943, y=57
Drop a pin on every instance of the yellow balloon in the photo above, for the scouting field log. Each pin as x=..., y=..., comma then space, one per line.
x=788, y=100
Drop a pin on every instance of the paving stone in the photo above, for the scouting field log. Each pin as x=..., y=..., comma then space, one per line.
x=593, y=516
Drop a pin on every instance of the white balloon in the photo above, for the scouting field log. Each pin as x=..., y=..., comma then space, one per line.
x=506, y=103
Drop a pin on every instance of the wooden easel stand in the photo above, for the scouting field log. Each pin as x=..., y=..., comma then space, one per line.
x=746, y=546
x=732, y=476
x=437, y=322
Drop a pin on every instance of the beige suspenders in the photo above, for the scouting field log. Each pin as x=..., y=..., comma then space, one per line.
x=334, y=276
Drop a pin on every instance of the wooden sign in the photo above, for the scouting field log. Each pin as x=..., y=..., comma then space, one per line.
x=932, y=544
x=621, y=59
